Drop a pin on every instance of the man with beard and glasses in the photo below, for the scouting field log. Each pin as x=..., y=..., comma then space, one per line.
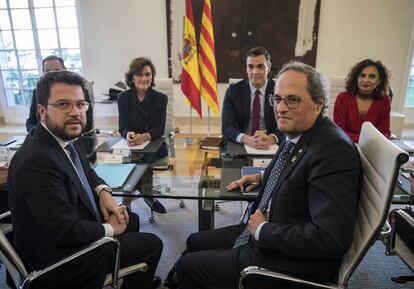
x=59, y=204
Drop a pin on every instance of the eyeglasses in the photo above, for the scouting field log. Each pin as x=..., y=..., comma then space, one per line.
x=67, y=106
x=291, y=101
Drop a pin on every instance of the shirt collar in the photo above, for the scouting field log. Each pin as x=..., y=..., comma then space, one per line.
x=60, y=141
x=261, y=89
x=295, y=139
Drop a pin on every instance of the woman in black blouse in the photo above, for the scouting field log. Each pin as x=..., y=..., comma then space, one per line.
x=142, y=113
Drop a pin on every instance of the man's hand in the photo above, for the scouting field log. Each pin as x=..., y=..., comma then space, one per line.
x=4, y=171
x=263, y=140
x=109, y=207
x=248, y=182
x=255, y=220
x=118, y=227
x=260, y=140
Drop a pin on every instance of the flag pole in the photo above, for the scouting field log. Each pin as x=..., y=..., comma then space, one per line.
x=208, y=120
x=189, y=140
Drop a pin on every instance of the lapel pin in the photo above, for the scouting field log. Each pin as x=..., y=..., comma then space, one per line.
x=300, y=151
x=293, y=159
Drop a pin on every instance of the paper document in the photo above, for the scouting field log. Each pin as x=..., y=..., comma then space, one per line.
x=252, y=151
x=17, y=144
x=123, y=145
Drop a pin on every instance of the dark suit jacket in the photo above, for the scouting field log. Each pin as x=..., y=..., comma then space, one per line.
x=33, y=119
x=235, y=114
x=148, y=116
x=52, y=215
x=313, y=206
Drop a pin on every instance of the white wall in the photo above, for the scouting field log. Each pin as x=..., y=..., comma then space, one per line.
x=114, y=32
x=352, y=30
x=349, y=31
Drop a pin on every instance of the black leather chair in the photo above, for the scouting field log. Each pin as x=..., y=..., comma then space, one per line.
x=401, y=240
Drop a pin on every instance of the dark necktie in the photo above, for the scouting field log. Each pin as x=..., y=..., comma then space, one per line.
x=81, y=172
x=256, y=112
x=274, y=174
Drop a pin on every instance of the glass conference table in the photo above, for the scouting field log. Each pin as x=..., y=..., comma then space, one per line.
x=203, y=175
x=194, y=174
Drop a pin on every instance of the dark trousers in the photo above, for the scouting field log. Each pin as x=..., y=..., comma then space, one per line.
x=90, y=270
x=210, y=262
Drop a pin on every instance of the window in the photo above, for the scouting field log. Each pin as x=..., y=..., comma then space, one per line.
x=409, y=99
x=30, y=30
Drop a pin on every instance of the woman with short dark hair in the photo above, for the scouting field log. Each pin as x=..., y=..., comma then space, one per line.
x=142, y=114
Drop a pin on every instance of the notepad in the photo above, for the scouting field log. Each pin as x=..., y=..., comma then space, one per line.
x=271, y=151
x=114, y=175
x=122, y=144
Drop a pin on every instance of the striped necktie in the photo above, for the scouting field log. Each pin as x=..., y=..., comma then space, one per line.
x=274, y=174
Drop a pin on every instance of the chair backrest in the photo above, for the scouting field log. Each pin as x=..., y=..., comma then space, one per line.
x=381, y=161
x=336, y=85
x=166, y=86
x=12, y=261
x=234, y=80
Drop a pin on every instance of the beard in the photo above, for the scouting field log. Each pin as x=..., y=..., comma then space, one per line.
x=61, y=131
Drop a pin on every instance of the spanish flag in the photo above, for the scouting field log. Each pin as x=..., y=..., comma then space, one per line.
x=207, y=60
x=190, y=76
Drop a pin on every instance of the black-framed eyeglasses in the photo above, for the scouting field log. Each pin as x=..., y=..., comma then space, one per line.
x=67, y=106
x=291, y=101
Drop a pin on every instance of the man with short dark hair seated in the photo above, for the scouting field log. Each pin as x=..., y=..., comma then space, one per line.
x=247, y=117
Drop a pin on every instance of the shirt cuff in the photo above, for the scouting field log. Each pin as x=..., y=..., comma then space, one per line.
x=109, y=231
x=276, y=139
x=239, y=137
x=99, y=188
x=257, y=233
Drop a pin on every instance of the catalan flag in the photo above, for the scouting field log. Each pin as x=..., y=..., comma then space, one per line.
x=190, y=76
x=207, y=60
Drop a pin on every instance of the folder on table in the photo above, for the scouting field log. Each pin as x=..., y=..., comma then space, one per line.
x=114, y=175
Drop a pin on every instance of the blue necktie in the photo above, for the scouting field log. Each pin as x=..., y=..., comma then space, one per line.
x=243, y=239
x=81, y=172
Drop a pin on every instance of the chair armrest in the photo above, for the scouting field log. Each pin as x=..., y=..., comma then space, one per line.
x=5, y=215
x=390, y=240
x=386, y=231
x=35, y=274
x=254, y=270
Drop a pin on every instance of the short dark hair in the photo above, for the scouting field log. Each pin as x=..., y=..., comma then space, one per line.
x=52, y=57
x=316, y=82
x=135, y=67
x=257, y=51
x=380, y=91
x=46, y=81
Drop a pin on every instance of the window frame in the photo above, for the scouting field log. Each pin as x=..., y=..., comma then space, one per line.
x=25, y=91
